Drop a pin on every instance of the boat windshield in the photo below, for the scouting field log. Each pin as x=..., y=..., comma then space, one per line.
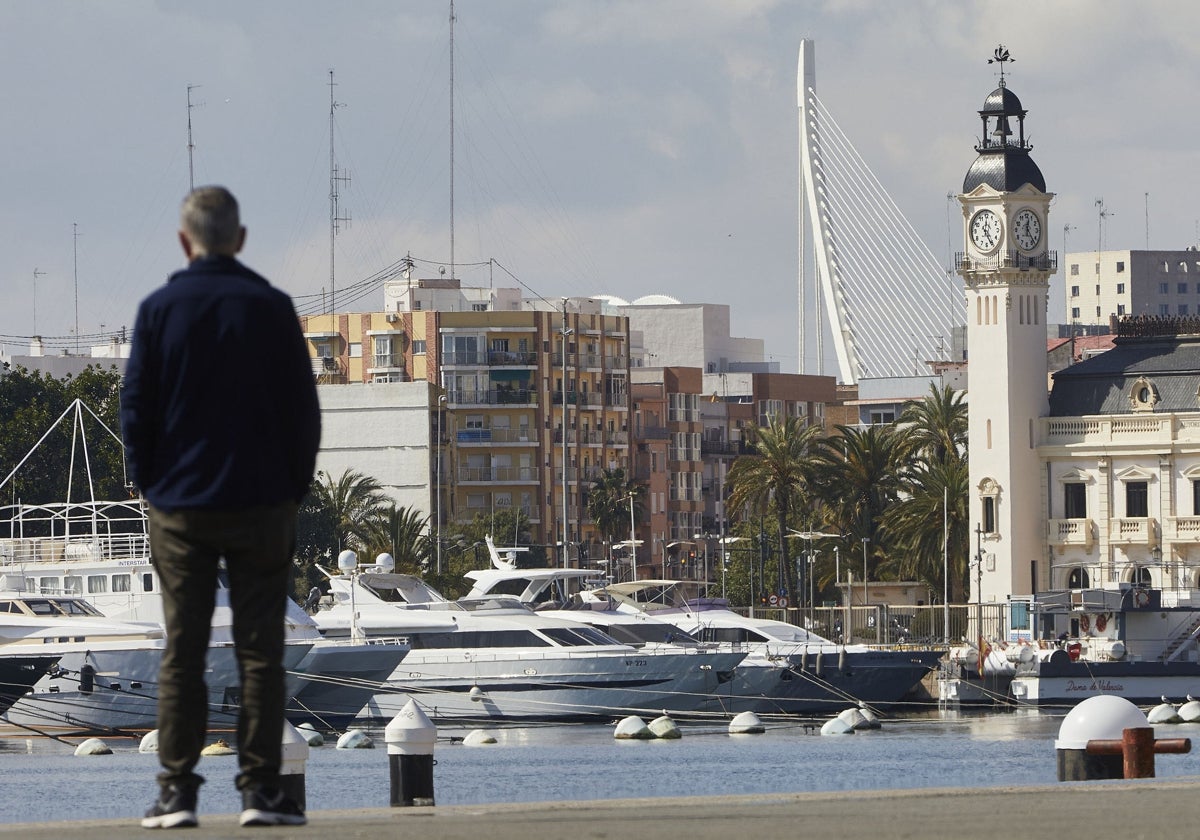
x=578, y=636
x=643, y=633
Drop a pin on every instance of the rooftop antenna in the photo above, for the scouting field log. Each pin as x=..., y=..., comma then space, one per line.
x=36, y=275
x=334, y=218
x=191, y=146
x=452, y=139
x=1147, y=221
x=75, y=256
x=1001, y=56
x=1102, y=214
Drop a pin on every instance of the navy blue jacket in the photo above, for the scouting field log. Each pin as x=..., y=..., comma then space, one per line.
x=219, y=406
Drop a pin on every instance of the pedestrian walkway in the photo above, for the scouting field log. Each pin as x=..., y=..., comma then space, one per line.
x=1124, y=810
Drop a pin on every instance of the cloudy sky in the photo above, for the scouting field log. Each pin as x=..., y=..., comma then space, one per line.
x=617, y=146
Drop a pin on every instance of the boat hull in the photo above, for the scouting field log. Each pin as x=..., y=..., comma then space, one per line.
x=523, y=687
x=18, y=675
x=1067, y=683
x=338, y=679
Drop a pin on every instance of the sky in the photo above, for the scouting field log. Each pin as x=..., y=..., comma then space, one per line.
x=622, y=147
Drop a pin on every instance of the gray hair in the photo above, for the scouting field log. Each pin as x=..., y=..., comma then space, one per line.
x=209, y=217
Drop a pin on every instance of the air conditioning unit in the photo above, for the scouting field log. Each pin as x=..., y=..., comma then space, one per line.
x=392, y=317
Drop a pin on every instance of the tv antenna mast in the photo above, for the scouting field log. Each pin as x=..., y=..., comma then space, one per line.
x=75, y=256
x=191, y=146
x=335, y=179
x=36, y=275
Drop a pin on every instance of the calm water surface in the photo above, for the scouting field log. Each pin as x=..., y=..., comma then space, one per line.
x=584, y=762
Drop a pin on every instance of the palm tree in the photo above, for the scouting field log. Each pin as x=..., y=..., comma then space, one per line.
x=608, y=504
x=403, y=533
x=356, y=504
x=856, y=475
x=774, y=478
x=936, y=426
x=932, y=516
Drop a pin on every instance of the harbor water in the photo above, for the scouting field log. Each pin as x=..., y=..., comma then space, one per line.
x=41, y=779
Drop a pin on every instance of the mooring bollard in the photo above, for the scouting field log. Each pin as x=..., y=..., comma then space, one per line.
x=292, y=768
x=1096, y=718
x=410, y=738
x=1108, y=737
x=1137, y=748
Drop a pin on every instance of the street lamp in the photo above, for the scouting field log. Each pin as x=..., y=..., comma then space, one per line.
x=812, y=564
x=865, y=540
x=565, y=332
x=438, y=490
x=632, y=541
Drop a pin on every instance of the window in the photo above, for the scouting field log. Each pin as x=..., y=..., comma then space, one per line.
x=1074, y=291
x=1183, y=267
x=1195, y=497
x=1182, y=288
x=1074, y=269
x=1097, y=290
x=1166, y=266
x=989, y=515
x=1120, y=309
x=1078, y=579
x=97, y=584
x=1136, y=500
x=1075, y=312
x=479, y=307
x=1164, y=288
x=418, y=346
x=1097, y=312
x=1097, y=268
x=1120, y=267
x=880, y=417
x=1183, y=309
x=1075, y=500
x=1120, y=288
x=1164, y=309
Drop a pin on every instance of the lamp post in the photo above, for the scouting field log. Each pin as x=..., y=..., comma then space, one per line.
x=438, y=490
x=812, y=564
x=865, y=540
x=632, y=541
x=564, y=331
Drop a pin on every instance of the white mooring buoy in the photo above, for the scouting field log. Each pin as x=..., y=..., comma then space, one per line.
x=632, y=728
x=149, y=742
x=93, y=746
x=478, y=737
x=355, y=739
x=311, y=735
x=837, y=726
x=665, y=729
x=746, y=723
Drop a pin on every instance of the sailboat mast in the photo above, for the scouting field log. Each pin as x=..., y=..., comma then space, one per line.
x=451, y=139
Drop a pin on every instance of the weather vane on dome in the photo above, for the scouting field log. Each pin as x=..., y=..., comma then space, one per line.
x=1000, y=56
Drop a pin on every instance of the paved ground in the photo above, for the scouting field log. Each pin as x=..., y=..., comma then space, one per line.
x=1119, y=810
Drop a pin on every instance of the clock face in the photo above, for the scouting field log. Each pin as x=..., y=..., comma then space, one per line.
x=985, y=230
x=1027, y=229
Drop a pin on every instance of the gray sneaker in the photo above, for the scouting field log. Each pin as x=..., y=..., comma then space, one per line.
x=174, y=808
x=270, y=806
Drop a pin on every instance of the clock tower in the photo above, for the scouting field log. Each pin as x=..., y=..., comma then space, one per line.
x=1006, y=268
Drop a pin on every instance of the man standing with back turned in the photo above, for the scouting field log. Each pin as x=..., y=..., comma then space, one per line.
x=221, y=425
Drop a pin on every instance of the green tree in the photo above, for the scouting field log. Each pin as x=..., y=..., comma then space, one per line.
x=856, y=474
x=931, y=516
x=608, y=504
x=356, y=505
x=465, y=549
x=774, y=480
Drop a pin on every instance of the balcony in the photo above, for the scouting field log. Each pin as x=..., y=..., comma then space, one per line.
x=1183, y=529
x=1138, y=531
x=1007, y=259
x=722, y=447
x=473, y=358
x=493, y=396
x=466, y=437
x=497, y=475
x=507, y=358
x=1071, y=532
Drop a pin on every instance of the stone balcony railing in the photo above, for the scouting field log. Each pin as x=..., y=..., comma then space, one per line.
x=1182, y=529
x=1138, y=531
x=1071, y=532
x=1140, y=430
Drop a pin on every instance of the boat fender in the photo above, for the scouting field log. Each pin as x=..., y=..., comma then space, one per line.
x=817, y=670
x=1141, y=597
x=1101, y=622
x=87, y=679
x=842, y=660
x=1084, y=623
x=804, y=660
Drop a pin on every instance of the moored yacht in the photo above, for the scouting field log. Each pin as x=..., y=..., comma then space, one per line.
x=495, y=659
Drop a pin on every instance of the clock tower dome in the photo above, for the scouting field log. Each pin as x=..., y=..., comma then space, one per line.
x=1006, y=268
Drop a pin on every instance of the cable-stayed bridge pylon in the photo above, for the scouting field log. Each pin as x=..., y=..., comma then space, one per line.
x=890, y=306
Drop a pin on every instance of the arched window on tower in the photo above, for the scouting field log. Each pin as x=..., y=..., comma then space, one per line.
x=1077, y=578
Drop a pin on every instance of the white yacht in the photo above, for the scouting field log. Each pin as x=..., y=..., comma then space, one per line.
x=106, y=676
x=99, y=551
x=809, y=674
x=494, y=659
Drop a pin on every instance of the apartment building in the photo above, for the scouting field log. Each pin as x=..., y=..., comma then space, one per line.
x=1101, y=284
